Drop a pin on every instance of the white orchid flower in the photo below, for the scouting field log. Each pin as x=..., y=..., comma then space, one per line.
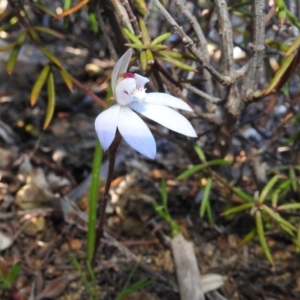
x=130, y=94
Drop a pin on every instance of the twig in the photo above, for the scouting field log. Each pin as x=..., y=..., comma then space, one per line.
x=101, y=24
x=233, y=103
x=224, y=80
x=196, y=91
x=88, y=92
x=203, y=43
x=132, y=18
x=122, y=14
x=258, y=47
x=159, y=66
x=225, y=30
x=187, y=271
x=241, y=72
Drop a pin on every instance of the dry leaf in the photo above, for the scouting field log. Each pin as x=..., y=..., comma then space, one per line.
x=54, y=288
x=5, y=241
x=212, y=282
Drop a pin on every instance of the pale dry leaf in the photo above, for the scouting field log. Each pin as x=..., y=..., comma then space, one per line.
x=5, y=241
x=212, y=282
x=54, y=288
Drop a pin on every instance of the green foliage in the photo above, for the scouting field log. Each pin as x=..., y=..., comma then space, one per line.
x=266, y=211
x=150, y=51
x=92, y=223
x=265, y=206
x=91, y=290
x=204, y=168
x=163, y=211
x=93, y=201
x=7, y=281
x=140, y=284
x=205, y=206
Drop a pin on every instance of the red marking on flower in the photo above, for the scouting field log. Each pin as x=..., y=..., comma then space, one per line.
x=126, y=75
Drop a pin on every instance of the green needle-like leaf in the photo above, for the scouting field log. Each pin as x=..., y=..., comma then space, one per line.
x=67, y=6
x=277, y=79
x=11, y=62
x=35, y=93
x=281, y=11
x=190, y=171
x=46, y=52
x=144, y=30
x=149, y=57
x=48, y=31
x=243, y=195
x=268, y=187
x=43, y=9
x=136, y=46
x=292, y=19
x=250, y=236
x=51, y=57
x=143, y=60
x=161, y=38
x=237, y=209
x=177, y=63
x=93, y=200
x=261, y=237
x=168, y=53
x=132, y=37
x=289, y=206
x=200, y=153
x=51, y=100
x=155, y=48
x=277, y=217
x=293, y=47
x=293, y=179
x=205, y=203
x=66, y=78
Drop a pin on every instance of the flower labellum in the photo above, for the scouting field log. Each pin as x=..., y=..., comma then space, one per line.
x=131, y=97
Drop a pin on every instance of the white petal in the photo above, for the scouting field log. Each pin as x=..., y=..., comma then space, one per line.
x=106, y=126
x=168, y=100
x=136, y=133
x=124, y=91
x=165, y=116
x=120, y=67
x=140, y=81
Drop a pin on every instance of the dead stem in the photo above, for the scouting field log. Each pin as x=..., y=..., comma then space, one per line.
x=102, y=207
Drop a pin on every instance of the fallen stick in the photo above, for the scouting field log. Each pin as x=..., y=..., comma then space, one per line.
x=187, y=271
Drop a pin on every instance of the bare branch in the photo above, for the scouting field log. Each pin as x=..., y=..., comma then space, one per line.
x=132, y=18
x=107, y=38
x=258, y=47
x=233, y=103
x=225, y=31
x=203, y=43
x=202, y=94
x=224, y=80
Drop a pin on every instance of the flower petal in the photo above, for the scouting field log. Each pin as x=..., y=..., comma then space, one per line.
x=106, y=126
x=168, y=100
x=124, y=91
x=136, y=133
x=120, y=67
x=166, y=117
x=140, y=81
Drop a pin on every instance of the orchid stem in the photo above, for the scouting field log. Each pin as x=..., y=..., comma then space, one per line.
x=102, y=207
